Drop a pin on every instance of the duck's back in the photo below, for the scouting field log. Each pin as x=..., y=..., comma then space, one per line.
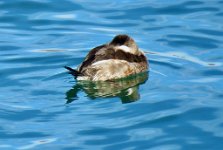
x=109, y=63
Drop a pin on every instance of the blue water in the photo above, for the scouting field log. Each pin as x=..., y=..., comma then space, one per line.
x=176, y=106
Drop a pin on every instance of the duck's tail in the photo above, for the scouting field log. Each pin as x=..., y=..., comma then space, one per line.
x=74, y=72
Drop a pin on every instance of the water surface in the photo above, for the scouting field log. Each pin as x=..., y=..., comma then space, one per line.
x=178, y=107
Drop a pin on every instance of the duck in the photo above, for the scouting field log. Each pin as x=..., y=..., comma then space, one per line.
x=116, y=59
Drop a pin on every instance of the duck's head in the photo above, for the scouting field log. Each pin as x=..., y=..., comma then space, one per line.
x=125, y=43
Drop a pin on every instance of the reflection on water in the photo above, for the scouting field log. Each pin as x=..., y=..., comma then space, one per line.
x=126, y=89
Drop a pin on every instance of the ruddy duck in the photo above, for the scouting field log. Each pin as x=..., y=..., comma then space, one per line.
x=118, y=59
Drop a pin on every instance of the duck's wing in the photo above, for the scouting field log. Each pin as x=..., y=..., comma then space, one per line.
x=108, y=51
x=101, y=52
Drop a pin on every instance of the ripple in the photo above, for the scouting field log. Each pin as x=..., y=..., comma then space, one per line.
x=162, y=28
x=108, y=140
x=33, y=6
x=166, y=64
x=179, y=107
x=193, y=41
x=187, y=57
x=212, y=72
x=210, y=32
x=177, y=9
x=37, y=143
x=9, y=47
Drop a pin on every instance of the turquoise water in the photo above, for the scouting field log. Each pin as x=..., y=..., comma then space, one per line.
x=176, y=106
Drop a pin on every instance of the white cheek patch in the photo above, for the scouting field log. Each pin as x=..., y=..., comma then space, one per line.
x=125, y=48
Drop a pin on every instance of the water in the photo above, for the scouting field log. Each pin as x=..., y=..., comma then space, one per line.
x=178, y=107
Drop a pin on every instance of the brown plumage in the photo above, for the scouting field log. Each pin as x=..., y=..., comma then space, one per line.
x=117, y=59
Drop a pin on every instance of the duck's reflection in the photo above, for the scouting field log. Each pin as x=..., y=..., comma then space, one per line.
x=126, y=89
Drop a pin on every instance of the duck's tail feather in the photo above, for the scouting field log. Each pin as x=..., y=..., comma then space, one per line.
x=74, y=72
